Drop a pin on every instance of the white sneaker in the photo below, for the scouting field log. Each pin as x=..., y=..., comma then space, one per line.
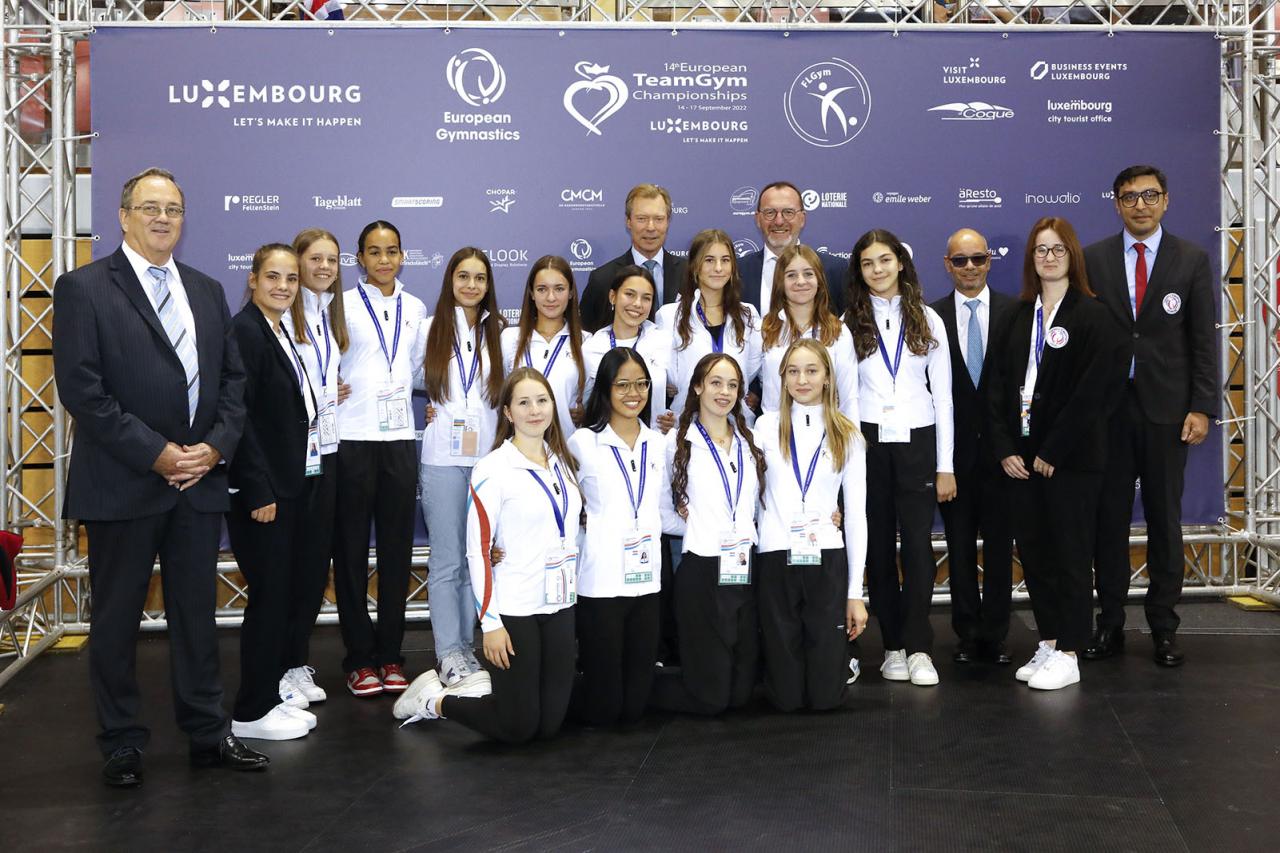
x=453, y=668
x=422, y=691
x=301, y=676
x=291, y=694
x=1060, y=670
x=297, y=713
x=894, y=667
x=278, y=724
x=1028, y=669
x=920, y=670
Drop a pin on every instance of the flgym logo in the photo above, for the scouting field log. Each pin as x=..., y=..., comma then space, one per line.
x=828, y=103
x=475, y=75
x=596, y=81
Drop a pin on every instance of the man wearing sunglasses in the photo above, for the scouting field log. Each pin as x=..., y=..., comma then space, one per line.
x=973, y=315
x=1159, y=289
x=780, y=217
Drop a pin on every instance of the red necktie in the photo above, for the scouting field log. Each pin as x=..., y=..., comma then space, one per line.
x=1139, y=278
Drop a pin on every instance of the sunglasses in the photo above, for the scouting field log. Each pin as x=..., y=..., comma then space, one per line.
x=965, y=260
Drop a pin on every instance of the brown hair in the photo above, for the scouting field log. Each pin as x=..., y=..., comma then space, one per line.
x=647, y=191
x=529, y=314
x=126, y=192
x=860, y=317
x=840, y=430
x=734, y=310
x=554, y=435
x=680, y=464
x=441, y=338
x=1077, y=275
x=337, y=312
x=828, y=324
x=259, y=258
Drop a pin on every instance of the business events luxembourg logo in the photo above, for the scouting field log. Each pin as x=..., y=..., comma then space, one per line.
x=596, y=97
x=828, y=103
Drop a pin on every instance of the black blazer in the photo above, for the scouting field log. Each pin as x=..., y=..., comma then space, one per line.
x=969, y=403
x=271, y=461
x=1075, y=388
x=835, y=269
x=595, y=296
x=1176, y=354
x=121, y=380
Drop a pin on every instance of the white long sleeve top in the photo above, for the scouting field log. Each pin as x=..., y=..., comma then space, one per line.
x=783, y=493
x=653, y=345
x=709, y=513
x=509, y=509
x=610, y=484
x=319, y=354
x=365, y=363
x=844, y=361
x=460, y=404
x=747, y=351
x=563, y=374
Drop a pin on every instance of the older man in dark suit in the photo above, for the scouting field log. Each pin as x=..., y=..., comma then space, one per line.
x=780, y=216
x=146, y=365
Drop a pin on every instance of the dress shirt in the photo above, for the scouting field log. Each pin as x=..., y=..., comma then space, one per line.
x=437, y=434
x=282, y=328
x=141, y=265
x=1033, y=369
x=364, y=364
x=962, y=320
x=768, y=263
x=564, y=373
x=1152, y=245
x=659, y=276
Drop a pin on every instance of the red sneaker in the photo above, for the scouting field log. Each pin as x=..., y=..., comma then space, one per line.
x=365, y=682
x=393, y=680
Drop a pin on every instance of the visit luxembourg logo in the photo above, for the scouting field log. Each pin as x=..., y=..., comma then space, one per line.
x=476, y=77
x=828, y=103
x=598, y=91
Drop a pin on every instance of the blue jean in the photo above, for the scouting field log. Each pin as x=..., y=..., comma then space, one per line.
x=444, y=506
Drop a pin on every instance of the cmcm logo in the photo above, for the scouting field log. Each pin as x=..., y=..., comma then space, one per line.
x=476, y=77
x=828, y=103
x=571, y=196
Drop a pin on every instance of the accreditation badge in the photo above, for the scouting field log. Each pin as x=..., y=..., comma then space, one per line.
x=735, y=559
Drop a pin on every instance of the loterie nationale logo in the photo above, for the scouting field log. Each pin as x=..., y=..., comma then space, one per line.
x=828, y=103
x=475, y=75
x=595, y=98
x=813, y=199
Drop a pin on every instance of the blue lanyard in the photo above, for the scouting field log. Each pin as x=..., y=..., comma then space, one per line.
x=551, y=362
x=297, y=362
x=613, y=339
x=328, y=347
x=1039, y=335
x=897, y=356
x=724, y=478
x=467, y=381
x=636, y=497
x=813, y=465
x=717, y=341
x=557, y=509
x=395, y=342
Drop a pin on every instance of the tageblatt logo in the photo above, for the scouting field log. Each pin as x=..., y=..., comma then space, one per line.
x=595, y=79
x=744, y=246
x=580, y=249
x=476, y=76
x=215, y=94
x=828, y=103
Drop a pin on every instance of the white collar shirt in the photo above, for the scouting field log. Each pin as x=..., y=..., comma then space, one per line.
x=746, y=351
x=469, y=405
x=319, y=352
x=140, y=266
x=659, y=275
x=962, y=320
x=652, y=345
x=364, y=365
x=1033, y=366
x=562, y=375
x=768, y=263
x=299, y=371
x=709, y=516
x=844, y=361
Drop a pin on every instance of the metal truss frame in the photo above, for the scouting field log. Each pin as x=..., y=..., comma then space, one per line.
x=38, y=195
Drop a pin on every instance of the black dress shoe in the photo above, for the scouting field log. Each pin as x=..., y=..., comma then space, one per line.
x=1167, y=652
x=999, y=653
x=1106, y=643
x=123, y=768
x=229, y=753
x=966, y=652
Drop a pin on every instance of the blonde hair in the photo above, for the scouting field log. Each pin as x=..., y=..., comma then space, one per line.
x=841, y=432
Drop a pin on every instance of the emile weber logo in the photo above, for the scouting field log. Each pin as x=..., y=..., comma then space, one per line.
x=479, y=81
x=226, y=94
x=828, y=103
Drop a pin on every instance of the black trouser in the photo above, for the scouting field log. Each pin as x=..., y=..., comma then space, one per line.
x=802, y=630
x=1156, y=454
x=617, y=648
x=121, y=557
x=981, y=506
x=312, y=556
x=378, y=482
x=1054, y=522
x=266, y=555
x=901, y=496
x=719, y=642
x=668, y=634
x=530, y=699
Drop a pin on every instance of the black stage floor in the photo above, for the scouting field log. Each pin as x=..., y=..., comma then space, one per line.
x=1134, y=758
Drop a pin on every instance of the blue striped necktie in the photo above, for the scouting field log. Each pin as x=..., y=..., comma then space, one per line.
x=184, y=344
x=973, y=357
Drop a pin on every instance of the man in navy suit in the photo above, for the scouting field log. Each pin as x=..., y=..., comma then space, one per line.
x=147, y=366
x=975, y=315
x=1160, y=292
x=780, y=216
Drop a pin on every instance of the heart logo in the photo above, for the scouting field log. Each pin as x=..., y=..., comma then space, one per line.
x=595, y=78
x=1004, y=250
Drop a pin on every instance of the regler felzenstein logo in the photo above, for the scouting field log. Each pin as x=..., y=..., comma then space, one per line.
x=475, y=75
x=828, y=103
x=596, y=81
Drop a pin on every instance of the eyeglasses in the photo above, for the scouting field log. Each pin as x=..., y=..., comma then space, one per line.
x=172, y=211
x=1149, y=198
x=1057, y=250
x=961, y=261
x=624, y=387
x=787, y=214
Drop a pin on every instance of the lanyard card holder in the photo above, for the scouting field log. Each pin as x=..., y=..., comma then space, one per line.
x=393, y=408
x=464, y=435
x=1024, y=411
x=735, y=559
x=804, y=550
x=327, y=421
x=315, y=463
x=637, y=557
x=560, y=576
x=893, y=430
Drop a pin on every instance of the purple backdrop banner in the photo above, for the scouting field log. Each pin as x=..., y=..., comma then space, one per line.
x=524, y=141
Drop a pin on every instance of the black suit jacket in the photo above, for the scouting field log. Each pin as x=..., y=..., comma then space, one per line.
x=271, y=460
x=595, y=297
x=1176, y=354
x=1076, y=387
x=121, y=380
x=835, y=269
x=969, y=403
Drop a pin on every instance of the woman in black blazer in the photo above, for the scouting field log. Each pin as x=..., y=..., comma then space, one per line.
x=269, y=477
x=1055, y=374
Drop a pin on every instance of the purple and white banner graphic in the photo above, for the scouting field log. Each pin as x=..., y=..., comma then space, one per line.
x=524, y=141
